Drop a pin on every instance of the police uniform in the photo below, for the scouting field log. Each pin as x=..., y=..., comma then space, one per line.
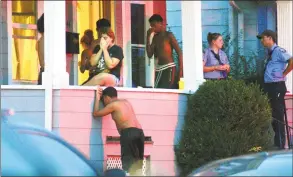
x=275, y=88
x=210, y=58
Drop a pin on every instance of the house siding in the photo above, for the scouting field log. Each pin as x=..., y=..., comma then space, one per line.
x=72, y=119
x=214, y=17
x=29, y=105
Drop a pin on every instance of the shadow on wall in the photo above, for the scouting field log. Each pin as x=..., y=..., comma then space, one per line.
x=96, y=142
x=182, y=105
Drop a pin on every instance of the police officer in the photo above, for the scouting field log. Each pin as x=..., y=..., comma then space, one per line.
x=278, y=64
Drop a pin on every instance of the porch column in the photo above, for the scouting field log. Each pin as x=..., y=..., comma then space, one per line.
x=192, y=45
x=284, y=24
x=55, y=74
x=55, y=49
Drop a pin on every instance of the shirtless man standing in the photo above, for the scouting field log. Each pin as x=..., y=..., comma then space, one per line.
x=131, y=133
x=161, y=47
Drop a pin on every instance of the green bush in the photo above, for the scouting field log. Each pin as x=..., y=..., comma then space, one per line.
x=223, y=119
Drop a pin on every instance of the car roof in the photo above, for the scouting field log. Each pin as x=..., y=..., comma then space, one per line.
x=276, y=162
x=28, y=149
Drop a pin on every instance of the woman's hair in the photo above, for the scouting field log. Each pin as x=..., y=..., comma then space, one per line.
x=40, y=24
x=213, y=36
x=88, y=37
x=109, y=32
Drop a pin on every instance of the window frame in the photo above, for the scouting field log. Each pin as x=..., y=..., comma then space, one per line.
x=10, y=26
x=127, y=63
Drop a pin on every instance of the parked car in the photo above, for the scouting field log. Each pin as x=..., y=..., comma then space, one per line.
x=277, y=163
x=28, y=150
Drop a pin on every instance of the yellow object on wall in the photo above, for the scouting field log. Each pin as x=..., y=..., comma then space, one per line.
x=24, y=55
x=88, y=12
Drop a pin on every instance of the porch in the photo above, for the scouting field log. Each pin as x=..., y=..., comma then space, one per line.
x=66, y=109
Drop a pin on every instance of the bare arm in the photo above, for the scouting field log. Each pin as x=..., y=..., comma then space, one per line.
x=110, y=62
x=175, y=45
x=40, y=50
x=96, y=57
x=289, y=67
x=84, y=62
x=103, y=112
x=150, y=46
x=207, y=69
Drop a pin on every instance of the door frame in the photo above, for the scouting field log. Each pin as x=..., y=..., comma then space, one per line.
x=127, y=63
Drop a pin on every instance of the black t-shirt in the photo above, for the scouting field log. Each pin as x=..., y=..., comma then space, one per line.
x=115, y=52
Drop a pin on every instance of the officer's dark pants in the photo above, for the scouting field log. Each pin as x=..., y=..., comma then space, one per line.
x=276, y=92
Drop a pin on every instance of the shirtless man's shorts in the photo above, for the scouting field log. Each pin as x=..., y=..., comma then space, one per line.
x=161, y=47
x=131, y=133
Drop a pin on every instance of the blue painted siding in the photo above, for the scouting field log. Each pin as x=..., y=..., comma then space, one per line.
x=174, y=22
x=262, y=25
x=29, y=105
x=215, y=18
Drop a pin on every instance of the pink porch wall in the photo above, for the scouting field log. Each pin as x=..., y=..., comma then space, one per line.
x=161, y=116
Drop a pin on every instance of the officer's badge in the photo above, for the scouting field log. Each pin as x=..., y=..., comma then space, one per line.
x=283, y=50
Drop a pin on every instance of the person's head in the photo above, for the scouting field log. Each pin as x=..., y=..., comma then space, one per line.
x=108, y=35
x=87, y=39
x=268, y=38
x=215, y=40
x=156, y=22
x=108, y=95
x=102, y=23
x=40, y=24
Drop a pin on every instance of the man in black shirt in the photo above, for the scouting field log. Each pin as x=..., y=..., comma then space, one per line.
x=108, y=61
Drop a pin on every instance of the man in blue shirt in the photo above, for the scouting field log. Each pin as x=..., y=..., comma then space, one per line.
x=278, y=65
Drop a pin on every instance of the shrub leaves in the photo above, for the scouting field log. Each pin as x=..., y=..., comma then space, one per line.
x=223, y=119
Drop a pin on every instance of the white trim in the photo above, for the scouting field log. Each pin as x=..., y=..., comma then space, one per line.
x=284, y=22
x=28, y=87
x=138, y=45
x=192, y=44
x=120, y=89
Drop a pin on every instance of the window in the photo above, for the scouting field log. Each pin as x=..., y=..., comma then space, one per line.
x=138, y=54
x=24, y=55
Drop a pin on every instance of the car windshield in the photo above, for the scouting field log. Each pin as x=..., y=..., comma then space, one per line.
x=260, y=164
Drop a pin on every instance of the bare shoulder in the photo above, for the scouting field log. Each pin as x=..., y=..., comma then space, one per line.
x=170, y=34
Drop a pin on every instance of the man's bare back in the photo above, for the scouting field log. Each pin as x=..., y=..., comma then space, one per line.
x=163, y=49
x=131, y=134
x=124, y=115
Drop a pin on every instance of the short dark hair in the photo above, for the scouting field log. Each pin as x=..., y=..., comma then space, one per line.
x=213, y=36
x=156, y=18
x=40, y=24
x=102, y=23
x=110, y=92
